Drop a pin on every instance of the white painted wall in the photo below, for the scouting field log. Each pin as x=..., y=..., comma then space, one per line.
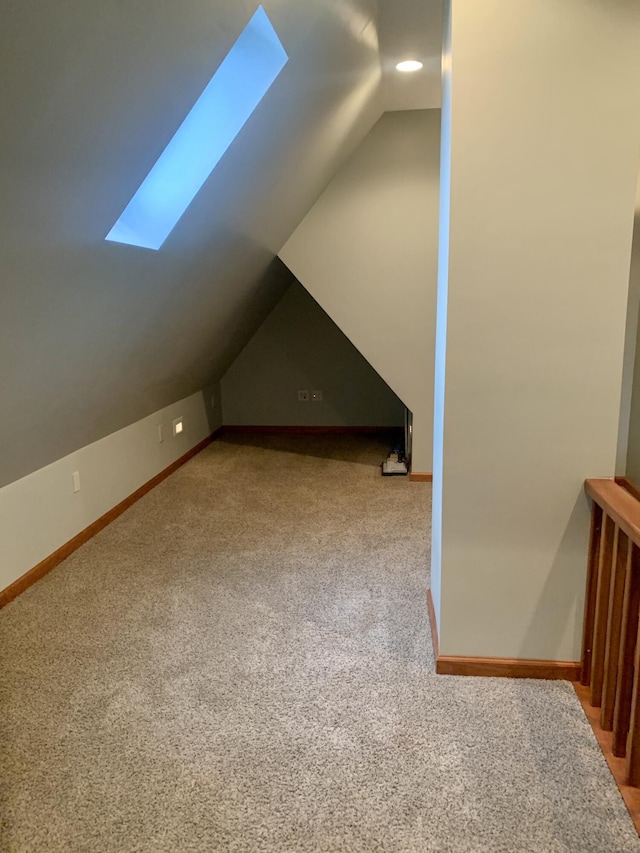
x=545, y=121
x=40, y=512
x=630, y=341
x=299, y=347
x=632, y=446
x=441, y=318
x=367, y=252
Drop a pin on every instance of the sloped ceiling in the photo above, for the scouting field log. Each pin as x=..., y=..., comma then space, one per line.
x=95, y=335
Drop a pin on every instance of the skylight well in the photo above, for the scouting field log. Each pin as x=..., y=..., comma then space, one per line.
x=217, y=117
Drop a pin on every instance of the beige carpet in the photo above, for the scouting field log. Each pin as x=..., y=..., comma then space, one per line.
x=242, y=662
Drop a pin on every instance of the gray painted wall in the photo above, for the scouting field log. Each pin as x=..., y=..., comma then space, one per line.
x=93, y=335
x=541, y=198
x=299, y=347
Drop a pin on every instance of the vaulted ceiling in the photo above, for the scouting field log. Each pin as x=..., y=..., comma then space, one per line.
x=95, y=335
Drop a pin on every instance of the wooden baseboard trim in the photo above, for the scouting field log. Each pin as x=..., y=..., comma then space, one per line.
x=508, y=668
x=498, y=667
x=53, y=560
x=239, y=429
x=418, y=477
x=617, y=766
x=628, y=486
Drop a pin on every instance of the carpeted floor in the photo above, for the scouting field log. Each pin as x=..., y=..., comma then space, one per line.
x=242, y=662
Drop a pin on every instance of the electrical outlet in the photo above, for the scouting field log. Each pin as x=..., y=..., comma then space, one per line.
x=160, y=433
x=303, y=396
x=75, y=477
x=178, y=427
x=316, y=396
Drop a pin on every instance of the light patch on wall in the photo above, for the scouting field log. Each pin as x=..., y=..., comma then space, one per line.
x=214, y=121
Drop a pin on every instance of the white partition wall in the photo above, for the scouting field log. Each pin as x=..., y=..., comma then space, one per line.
x=545, y=127
x=367, y=252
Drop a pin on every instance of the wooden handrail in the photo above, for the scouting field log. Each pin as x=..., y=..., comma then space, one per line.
x=618, y=504
x=610, y=689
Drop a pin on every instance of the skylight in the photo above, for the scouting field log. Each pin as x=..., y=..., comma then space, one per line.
x=214, y=121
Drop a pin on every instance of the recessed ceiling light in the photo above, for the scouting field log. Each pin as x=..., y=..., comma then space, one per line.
x=409, y=65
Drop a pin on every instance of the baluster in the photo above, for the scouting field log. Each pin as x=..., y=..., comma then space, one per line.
x=607, y=545
x=633, y=753
x=590, y=600
x=629, y=632
x=621, y=557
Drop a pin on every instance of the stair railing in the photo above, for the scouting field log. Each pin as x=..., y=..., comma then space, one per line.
x=611, y=646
